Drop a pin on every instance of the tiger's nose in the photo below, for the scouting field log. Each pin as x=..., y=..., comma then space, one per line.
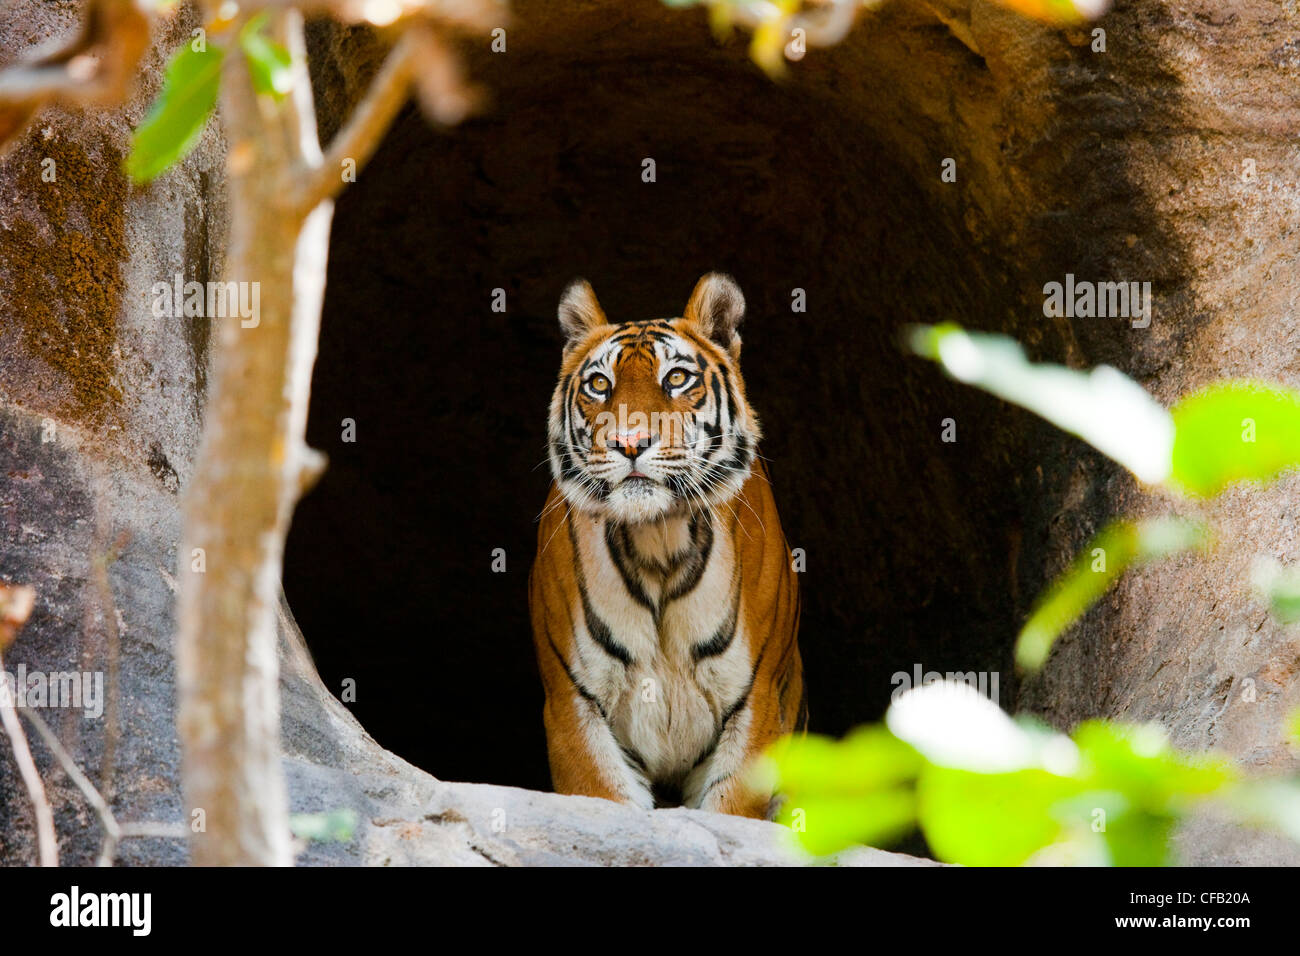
x=630, y=444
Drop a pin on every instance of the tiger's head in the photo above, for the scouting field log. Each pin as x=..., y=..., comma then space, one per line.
x=649, y=419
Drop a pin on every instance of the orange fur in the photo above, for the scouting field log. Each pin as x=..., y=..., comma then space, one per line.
x=595, y=662
x=769, y=608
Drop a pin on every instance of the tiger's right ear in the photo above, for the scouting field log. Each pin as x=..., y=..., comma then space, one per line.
x=579, y=311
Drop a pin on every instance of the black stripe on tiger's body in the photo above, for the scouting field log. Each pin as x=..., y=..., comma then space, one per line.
x=670, y=592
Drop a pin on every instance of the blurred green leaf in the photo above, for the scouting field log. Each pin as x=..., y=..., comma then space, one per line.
x=826, y=824
x=767, y=46
x=838, y=793
x=1271, y=803
x=1234, y=431
x=176, y=120
x=1114, y=549
x=1228, y=432
x=1140, y=838
x=336, y=826
x=269, y=63
x=1143, y=786
x=1127, y=792
x=1103, y=407
x=1280, y=586
x=1293, y=726
x=1137, y=760
x=1059, y=12
x=990, y=819
x=869, y=758
x=951, y=724
x=1111, y=795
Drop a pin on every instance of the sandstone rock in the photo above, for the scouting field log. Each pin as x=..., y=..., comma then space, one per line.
x=1129, y=164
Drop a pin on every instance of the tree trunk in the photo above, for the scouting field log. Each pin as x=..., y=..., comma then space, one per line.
x=249, y=473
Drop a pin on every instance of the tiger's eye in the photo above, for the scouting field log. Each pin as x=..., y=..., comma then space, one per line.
x=599, y=383
x=676, y=378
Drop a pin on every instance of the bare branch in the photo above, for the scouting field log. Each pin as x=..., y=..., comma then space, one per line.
x=824, y=24
x=247, y=478
x=365, y=128
x=47, y=840
x=16, y=603
x=444, y=94
x=112, y=832
x=96, y=67
x=468, y=14
x=148, y=829
x=105, y=553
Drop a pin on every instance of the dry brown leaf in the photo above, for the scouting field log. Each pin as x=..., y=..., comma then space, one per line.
x=98, y=66
x=444, y=93
x=16, y=603
x=465, y=14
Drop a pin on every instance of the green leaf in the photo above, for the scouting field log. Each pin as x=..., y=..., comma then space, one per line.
x=991, y=819
x=1108, y=555
x=1059, y=12
x=869, y=758
x=838, y=793
x=1144, y=786
x=1112, y=795
x=1235, y=431
x=1137, y=760
x=1280, y=586
x=335, y=826
x=951, y=724
x=989, y=784
x=1139, y=839
x=1274, y=804
x=826, y=824
x=176, y=120
x=1103, y=407
x=1129, y=772
x=269, y=63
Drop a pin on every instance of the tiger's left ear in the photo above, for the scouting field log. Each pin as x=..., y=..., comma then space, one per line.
x=716, y=308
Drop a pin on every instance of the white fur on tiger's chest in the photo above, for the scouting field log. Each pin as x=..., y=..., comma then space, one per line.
x=674, y=660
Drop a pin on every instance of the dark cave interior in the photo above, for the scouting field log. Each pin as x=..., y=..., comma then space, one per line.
x=914, y=546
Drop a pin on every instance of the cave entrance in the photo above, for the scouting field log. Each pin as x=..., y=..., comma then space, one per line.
x=911, y=543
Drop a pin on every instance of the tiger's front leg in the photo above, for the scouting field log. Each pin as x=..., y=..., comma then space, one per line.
x=584, y=756
x=723, y=783
x=724, y=790
x=720, y=782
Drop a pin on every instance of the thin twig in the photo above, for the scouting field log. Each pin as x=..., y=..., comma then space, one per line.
x=112, y=831
x=824, y=24
x=479, y=15
x=46, y=839
x=365, y=128
x=160, y=831
x=105, y=553
x=97, y=66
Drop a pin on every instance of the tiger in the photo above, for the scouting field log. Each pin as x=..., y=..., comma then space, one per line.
x=663, y=596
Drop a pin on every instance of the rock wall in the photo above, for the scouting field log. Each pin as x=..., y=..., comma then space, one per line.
x=100, y=410
x=1128, y=165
